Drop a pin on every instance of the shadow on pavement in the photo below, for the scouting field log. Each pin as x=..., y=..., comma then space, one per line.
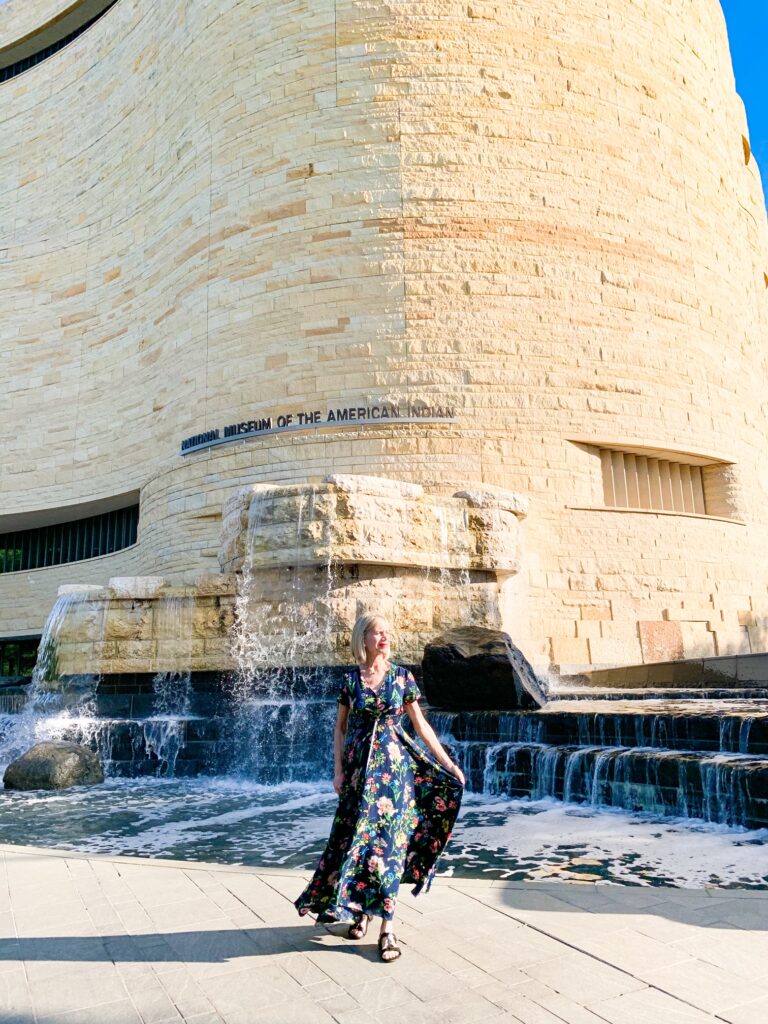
x=178, y=947
x=737, y=909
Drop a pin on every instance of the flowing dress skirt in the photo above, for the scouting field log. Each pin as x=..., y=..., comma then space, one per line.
x=396, y=809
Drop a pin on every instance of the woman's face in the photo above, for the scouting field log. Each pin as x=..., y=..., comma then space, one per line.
x=377, y=638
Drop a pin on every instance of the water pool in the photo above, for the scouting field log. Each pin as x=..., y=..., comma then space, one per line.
x=236, y=821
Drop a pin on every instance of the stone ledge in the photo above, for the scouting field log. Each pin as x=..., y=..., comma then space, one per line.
x=367, y=520
x=747, y=672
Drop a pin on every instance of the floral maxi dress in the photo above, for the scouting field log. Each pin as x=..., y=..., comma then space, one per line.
x=396, y=809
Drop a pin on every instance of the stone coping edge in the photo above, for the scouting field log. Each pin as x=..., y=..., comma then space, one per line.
x=48, y=33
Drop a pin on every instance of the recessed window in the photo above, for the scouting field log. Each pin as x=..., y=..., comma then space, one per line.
x=667, y=482
x=636, y=481
x=18, y=656
x=73, y=541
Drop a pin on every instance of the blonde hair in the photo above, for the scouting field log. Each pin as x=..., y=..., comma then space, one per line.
x=360, y=628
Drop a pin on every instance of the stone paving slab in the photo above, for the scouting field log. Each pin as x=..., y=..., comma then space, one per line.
x=111, y=940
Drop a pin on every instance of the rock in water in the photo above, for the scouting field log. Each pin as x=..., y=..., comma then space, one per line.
x=474, y=669
x=54, y=765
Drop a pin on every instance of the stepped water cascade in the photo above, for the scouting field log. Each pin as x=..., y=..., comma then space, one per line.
x=251, y=747
x=163, y=720
x=73, y=707
x=703, y=759
x=675, y=758
x=272, y=719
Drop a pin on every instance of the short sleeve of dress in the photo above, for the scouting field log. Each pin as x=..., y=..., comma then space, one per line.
x=411, y=691
x=344, y=695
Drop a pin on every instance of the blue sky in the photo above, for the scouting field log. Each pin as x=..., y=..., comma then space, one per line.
x=748, y=31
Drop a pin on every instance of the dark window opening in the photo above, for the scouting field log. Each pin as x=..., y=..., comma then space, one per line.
x=18, y=656
x=69, y=542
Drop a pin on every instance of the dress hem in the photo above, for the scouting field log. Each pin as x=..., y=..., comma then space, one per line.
x=341, y=913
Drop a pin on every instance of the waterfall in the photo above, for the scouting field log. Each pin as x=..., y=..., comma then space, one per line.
x=577, y=785
x=69, y=709
x=276, y=723
x=172, y=686
x=545, y=763
x=454, y=535
x=744, y=731
x=50, y=709
x=283, y=714
x=592, y=759
x=735, y=733
x=163, y=738
x=725, y=790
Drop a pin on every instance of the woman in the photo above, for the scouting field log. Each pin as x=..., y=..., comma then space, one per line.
x=396, y=806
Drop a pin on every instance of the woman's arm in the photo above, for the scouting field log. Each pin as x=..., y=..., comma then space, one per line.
x=339, y=738
x=425, y=731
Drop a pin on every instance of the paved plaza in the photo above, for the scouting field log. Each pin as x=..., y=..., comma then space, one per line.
x=100, y=940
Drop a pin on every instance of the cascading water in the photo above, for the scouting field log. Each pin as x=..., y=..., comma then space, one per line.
x=69, y=708
x=163, y=733
x=678, y=764
x=453, y=533
x=655, y=756
x=735, y=733
x=272, y=734
x=52, y=711
x=276, y=724
x=172, y=686
x=282, y=719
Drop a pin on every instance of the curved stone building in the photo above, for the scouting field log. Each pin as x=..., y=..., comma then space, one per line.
x=532, y=232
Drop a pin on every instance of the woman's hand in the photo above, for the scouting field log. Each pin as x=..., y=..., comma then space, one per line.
x=338, y=781
x=425, y=732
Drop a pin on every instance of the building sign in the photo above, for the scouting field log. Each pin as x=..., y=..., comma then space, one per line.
x=383, y=414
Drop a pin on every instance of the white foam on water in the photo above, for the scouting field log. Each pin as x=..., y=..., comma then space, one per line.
x=222, y=819
x=235, y=820
x=546, y=839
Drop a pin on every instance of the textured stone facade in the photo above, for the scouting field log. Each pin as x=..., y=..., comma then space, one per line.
x=358, y=520
x=128, y=626
x=311, y=558
x=539, y=215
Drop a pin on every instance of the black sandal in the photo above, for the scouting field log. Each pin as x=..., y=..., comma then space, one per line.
x=388, y=944
x=359, y=927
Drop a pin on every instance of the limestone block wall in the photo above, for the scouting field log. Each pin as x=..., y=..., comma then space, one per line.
x=356, y=520
x=140, y=624
x=311, y=558
x=28, y=597
x=540, y=215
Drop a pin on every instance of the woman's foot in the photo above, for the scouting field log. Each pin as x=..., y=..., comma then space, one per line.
x=388, y=947
x=359, y=927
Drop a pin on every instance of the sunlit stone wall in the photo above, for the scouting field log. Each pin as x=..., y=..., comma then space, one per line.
x=537, y=214
x=141, y=624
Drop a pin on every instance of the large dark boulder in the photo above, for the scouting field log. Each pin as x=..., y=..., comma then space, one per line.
x=54, y=765
x=475, y=669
